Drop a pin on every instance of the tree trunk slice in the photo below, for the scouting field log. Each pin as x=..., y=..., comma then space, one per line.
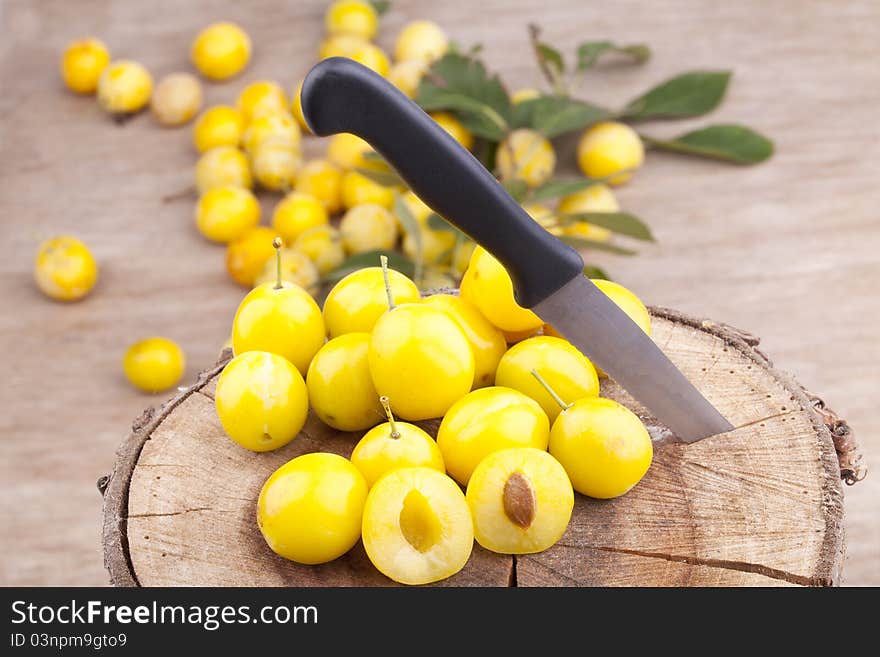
x=759, y=505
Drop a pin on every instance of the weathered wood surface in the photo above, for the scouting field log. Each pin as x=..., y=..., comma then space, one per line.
x=787, y=250
x=760, y=505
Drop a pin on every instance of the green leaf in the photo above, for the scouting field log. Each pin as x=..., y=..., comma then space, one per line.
x=558, y=188
x=381, y=6
x=582, y=243
x=369, y=259
x=622, y=223
x=589, y=52
x=436, y=222
x=516, y=188
x=385, y=178
x=728, y=142
x=690, y=94
x=591, y=271
x=640, y=52
x=551, y=58
x=460, y=83
x=556, y=115
x=476, y=116
x=411, y=227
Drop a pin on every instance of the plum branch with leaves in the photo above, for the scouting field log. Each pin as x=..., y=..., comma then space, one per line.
x=688, y=95
x=460, y=83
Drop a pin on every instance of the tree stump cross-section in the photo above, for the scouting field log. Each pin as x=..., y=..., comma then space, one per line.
x=760, y=505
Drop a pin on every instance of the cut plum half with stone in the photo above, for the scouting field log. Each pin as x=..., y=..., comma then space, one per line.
x=521, y=501
x=417, y=527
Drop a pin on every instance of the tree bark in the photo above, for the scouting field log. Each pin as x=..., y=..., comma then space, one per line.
x=759, y=505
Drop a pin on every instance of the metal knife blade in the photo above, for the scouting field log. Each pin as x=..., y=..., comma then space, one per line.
x=606, y=335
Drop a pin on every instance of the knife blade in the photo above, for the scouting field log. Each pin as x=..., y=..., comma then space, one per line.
x=340, y=95
x=600, y=330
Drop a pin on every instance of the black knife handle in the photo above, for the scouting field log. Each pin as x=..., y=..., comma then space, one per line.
x=340, y=95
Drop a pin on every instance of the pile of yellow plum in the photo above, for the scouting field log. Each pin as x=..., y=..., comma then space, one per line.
x=522, y=427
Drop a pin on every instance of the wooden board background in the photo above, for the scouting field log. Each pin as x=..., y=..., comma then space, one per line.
x=787, y=250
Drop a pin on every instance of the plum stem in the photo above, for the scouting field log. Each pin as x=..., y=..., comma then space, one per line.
x=383, y=260
x=278, y=243
x=386, y=404
x=552, y=392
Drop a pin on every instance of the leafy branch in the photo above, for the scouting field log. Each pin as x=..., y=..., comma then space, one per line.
x=552, y=64
x=690, y=94
x=460, y=83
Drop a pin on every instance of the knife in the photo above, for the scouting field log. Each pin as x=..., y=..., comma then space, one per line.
x=340, y=95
